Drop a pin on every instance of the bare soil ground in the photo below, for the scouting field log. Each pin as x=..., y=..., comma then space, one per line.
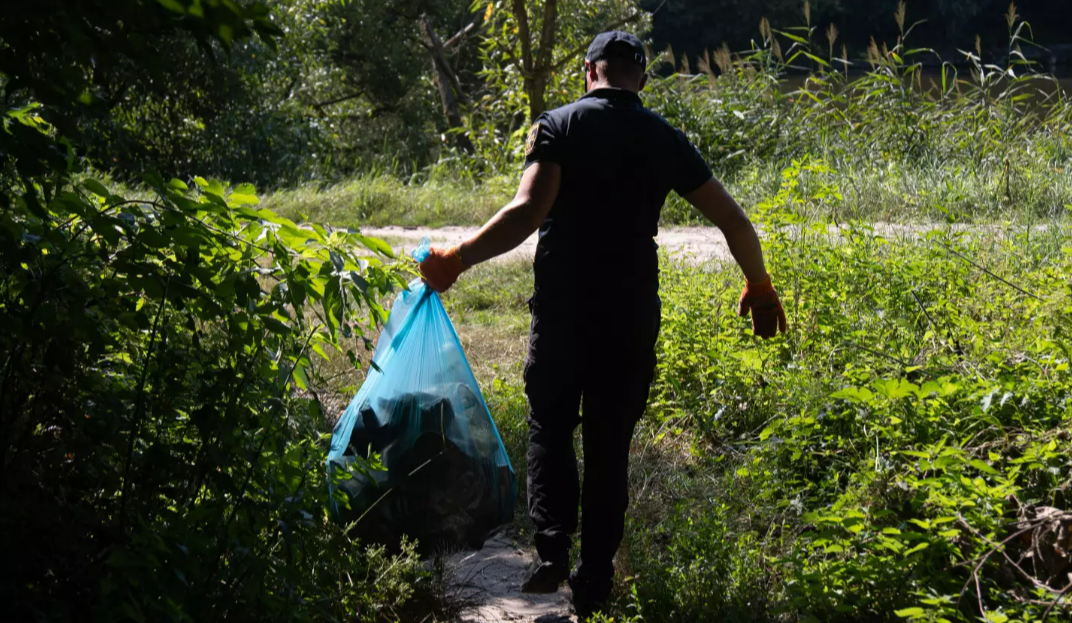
x=488, y=582
x=693, y=244
x=702, y=242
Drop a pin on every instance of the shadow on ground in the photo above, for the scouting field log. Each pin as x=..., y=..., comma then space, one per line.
x=489, y=581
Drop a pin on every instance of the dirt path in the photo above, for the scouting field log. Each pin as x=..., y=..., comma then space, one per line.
x=704, y=243
x=488, y=581
x=697, y=244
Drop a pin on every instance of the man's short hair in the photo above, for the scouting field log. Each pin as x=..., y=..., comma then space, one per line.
x=618, y=68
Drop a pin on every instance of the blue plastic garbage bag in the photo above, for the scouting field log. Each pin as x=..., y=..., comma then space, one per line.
x=447, y=481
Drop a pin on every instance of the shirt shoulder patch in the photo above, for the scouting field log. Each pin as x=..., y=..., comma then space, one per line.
x=530, y=142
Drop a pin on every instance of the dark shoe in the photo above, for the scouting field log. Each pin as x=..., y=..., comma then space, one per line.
x=545, y=579
x=588, y=597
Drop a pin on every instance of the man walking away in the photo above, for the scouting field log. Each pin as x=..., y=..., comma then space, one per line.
x=597, y=172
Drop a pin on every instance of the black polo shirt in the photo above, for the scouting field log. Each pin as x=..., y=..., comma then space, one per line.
x=619, y=161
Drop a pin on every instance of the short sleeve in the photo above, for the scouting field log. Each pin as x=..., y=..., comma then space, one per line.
x=691, y=171
x=543, y=143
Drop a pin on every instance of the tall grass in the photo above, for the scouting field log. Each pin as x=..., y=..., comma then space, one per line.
x=907, y=135
x=383, y=199
x=965, y=140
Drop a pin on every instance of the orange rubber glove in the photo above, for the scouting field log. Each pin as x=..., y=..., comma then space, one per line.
x=441, y=268
x=767, y=313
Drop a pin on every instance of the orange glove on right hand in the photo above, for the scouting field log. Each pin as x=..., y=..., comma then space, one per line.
x=441, y=268
x=767, y=314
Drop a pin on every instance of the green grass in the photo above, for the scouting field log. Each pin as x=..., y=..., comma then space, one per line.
x=880, y=191
x=763, y=479
x=385, y=200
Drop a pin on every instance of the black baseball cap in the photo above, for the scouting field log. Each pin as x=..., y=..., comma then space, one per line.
x=617, y=44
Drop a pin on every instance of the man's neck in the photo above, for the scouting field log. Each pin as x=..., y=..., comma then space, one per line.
x=605, y=84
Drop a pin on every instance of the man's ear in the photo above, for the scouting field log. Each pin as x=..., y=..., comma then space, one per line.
x=643, y=81
x=590, y=71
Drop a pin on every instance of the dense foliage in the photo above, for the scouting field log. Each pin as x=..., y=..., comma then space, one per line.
x=162, y=440
x=910, y=135
x=171, y=351
x=903, y=454
x=410, y=87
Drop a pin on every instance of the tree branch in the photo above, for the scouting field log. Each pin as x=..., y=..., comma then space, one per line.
x=988, y=272
x=320, y=105
x=461, y=34
x=439, y=60
x=565, y=60
x=522, y=16
x=547, y=34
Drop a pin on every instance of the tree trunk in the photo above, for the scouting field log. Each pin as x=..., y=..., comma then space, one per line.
x=542, y=69
x=447, y=83
x=536, y=89
x=536, y=68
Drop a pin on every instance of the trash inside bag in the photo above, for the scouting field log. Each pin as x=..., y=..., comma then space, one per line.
x=445, y=479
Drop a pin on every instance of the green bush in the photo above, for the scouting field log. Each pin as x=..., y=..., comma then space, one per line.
x=163, y=439
x=893, y=457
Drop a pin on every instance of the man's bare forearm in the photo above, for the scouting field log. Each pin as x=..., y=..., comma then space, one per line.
x=518, y=219
x=715, y=203
x=745, y=247
x=504, y=232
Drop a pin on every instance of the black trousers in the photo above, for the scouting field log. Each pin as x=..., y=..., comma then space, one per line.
x=593, y=368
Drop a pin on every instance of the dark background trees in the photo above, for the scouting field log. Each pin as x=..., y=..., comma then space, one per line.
x=385, y=85
x=692, y=26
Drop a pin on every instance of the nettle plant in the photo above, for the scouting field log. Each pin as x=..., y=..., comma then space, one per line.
x=162, y=437
x=950, y=504
x=903, y=452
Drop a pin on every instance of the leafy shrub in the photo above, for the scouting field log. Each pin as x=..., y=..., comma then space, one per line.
x=893, y=457
x=163, y=439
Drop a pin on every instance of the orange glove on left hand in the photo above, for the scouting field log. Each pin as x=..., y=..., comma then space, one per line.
x=441, y=268
x=767, y=313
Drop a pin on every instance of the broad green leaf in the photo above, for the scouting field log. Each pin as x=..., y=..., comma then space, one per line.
x=983, y=467
x=377, y=245
x=301, y=380
x=319, y=349
x=855, y=394
x=333, y=305
x=921, y=546
x=95, y=187
x=214, y=187
x=239, y=199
